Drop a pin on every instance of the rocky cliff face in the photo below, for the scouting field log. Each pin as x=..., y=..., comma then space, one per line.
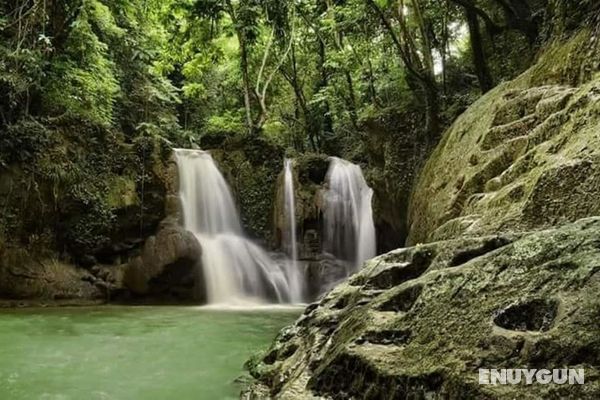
x=250, y=166
x=525, y=156
x=395, y=153
x=75, y=213
x=420, y=322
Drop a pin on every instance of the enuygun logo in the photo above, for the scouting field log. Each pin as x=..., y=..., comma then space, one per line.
x=531, y=376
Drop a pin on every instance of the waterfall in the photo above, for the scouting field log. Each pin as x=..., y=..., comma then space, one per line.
x=235, y=270
x=348, y=216
x=289, y=236
x=290, y=243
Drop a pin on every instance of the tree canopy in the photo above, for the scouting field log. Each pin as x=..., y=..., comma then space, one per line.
x=306, y=74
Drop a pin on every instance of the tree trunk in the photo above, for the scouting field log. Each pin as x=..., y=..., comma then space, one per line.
x=351, y=99
x=323, y=112
x=243, y=67
x=518, y=16
x=372, y=88
x=421, y=75
x=246, y=82
x=479, y=60
x=432, y=110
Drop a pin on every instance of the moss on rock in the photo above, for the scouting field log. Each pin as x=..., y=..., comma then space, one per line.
x=420, y=322
x=525, y=156
x=78, y=195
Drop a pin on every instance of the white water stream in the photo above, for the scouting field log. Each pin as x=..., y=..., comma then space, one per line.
x=236, y=271
x=349, y=231
x=290, y=239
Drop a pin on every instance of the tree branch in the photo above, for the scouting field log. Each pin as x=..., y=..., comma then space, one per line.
x=492, y=28
x=264, y=60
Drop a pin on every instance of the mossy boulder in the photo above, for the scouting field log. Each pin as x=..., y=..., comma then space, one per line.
x=420, y=322
x=84, y=187
x=525, y=156
x=168, y=267
x=393, y=154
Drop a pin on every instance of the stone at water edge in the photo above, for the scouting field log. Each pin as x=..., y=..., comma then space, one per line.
x=168, y=264
x=421, y=321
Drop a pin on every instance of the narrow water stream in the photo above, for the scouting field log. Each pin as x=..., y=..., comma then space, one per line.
x=131, y=353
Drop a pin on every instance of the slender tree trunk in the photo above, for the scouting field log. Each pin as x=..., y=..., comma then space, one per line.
x=479, y=60
x=432, y=110
x=372, y=88
x=518, y=16
x=426, y=47
x=301, y=107
x=338, y=39
x=244, y=68
x=246, y=83
x=444, y=49
x=351, y=99
x=327, y=121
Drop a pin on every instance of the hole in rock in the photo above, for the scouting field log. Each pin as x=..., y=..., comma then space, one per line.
x=396, y=275
x=340, y=303
x=310, y=308
x=403, y=300
x=280, y=354
x=486, y=247
x=533, y=315
x=350, y=376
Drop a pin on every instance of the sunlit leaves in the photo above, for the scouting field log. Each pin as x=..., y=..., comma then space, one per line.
x=101, y=15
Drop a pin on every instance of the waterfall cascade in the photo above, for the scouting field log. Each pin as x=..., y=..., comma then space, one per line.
x=236, y=270
x=349, y=231
x=289, y=236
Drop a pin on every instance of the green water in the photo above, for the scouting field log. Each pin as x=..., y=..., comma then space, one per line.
x=130, y=353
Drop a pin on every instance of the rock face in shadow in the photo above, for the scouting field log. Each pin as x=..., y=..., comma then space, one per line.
x=415, y=323
x=525, y=156
x=321, y=274
x=169, y=266
x=69, y=237
x=24, y=276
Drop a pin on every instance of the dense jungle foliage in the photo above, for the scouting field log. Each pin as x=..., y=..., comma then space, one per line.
x=93, y=90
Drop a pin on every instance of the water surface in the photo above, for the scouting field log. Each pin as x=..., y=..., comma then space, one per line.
x=131, y=353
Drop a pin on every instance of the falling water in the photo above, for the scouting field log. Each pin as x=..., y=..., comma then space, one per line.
x=348, y=216
x=290, y=240
x=290, y=244
x=236, y=271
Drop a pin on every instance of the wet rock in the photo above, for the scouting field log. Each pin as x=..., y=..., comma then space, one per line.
x=27, y=276
x=168, y=266
x=532, y=315
x=322, y=273
x=402, y=300
x=311, y=247
x=420, y=322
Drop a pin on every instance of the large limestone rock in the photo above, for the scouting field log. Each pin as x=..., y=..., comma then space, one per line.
x=525, y=156
x=420, y=322
x=168, y=266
